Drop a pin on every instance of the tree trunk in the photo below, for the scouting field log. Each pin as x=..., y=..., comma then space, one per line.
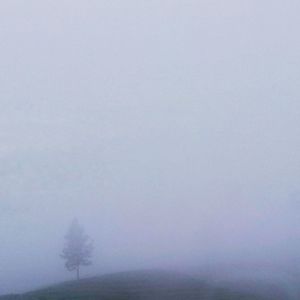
x=77, y=271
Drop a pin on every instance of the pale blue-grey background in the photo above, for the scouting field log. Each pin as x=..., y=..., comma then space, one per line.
x=170, y=128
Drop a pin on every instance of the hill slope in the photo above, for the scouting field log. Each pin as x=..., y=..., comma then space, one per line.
x=139, y=285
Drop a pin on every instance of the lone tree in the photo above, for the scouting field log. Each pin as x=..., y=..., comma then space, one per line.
x=78, y=248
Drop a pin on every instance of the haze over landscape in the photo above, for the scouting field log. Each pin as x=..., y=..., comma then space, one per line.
x=170, y=129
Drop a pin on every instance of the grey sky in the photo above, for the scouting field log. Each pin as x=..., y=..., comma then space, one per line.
x=171, y=129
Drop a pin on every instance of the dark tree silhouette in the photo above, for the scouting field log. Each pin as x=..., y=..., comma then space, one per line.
x=78, y=248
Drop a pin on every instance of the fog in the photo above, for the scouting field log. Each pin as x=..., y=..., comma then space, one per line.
x=170, y=129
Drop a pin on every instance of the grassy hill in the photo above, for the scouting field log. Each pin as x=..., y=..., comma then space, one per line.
x=139, y=285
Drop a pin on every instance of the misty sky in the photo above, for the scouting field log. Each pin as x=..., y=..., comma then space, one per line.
x=170, y=129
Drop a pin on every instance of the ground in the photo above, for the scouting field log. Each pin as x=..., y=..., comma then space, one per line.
x=140, y=285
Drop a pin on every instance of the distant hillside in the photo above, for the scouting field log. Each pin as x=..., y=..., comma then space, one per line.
x=139, y=285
